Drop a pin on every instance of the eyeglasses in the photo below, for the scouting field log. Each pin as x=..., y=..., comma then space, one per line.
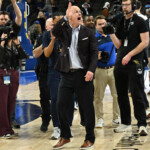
x=126, y=5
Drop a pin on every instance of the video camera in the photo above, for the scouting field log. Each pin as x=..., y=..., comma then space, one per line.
x=7, y=29
x=114, y=18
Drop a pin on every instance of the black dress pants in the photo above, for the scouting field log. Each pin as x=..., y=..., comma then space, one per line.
x=125, y=76
x=74, y=82
x=44, y=95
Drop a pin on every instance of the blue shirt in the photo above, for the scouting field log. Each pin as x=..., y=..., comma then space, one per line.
x=105, y=44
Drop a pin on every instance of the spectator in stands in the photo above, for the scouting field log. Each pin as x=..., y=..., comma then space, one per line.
x=39, y=5
x=41, y=18
x=37, y=31
x=33, y=12
x=89, y=22
x=105, y=10
x=47, y=7
x=53, y=6
x=86, y=9
x=4, y=5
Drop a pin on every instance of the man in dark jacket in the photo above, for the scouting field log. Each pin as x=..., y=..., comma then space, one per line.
x=77, y=64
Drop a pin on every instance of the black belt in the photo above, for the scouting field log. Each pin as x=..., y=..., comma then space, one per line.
x=74, y=70
x=107, y=67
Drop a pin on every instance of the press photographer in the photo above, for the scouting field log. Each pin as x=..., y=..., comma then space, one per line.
x=104, y=73
x=105, y=54
x=10, y=53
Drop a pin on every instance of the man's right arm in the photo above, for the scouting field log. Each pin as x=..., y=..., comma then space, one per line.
x=117, y=42
x=56, y=31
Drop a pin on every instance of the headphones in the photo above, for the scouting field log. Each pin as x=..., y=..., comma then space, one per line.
x=134, y=5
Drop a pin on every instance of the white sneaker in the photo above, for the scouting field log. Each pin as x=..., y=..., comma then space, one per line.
x=75, y=105
x=147, y=114
x=142, y=131
x=116, y=121
x=6, y=136
x=72, y=133
x=123, y=128
x=56, y=133
x=100, y=123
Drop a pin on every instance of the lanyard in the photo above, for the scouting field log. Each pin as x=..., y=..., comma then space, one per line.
x=128, y=28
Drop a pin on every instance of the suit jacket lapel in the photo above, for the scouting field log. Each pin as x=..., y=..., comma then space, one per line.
x=69, y=34
x=82, y=34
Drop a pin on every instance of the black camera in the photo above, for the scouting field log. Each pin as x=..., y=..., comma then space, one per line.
x=115, y=15
x=7, y=29
x=104, y=57
x=108, y=29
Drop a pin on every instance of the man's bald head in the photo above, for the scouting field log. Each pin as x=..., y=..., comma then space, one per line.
x=49, y=24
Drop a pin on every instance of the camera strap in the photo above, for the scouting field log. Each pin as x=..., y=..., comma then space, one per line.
x=111, y=51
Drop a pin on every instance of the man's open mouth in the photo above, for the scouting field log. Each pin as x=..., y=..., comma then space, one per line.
x=79, y=18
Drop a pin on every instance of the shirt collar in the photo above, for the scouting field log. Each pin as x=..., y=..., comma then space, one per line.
x=78, y=28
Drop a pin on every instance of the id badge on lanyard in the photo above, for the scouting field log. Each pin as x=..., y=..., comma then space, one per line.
x=6, y=79
x=125, y=42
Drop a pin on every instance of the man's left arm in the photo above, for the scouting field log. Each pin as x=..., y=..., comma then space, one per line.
x=18, y=18
x=144, y=43
x=93, y=58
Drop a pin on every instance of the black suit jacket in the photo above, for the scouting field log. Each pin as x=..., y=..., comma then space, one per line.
x=87, y=47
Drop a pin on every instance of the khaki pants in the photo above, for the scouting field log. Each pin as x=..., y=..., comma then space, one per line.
x=104, y=77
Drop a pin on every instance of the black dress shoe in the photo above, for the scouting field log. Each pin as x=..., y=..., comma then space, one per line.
x=15, y=125
x=44, y=127
x=45, y=122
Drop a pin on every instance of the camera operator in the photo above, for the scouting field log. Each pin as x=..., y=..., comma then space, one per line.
x=130, y=39
x=11, y=51
x=104, y=73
